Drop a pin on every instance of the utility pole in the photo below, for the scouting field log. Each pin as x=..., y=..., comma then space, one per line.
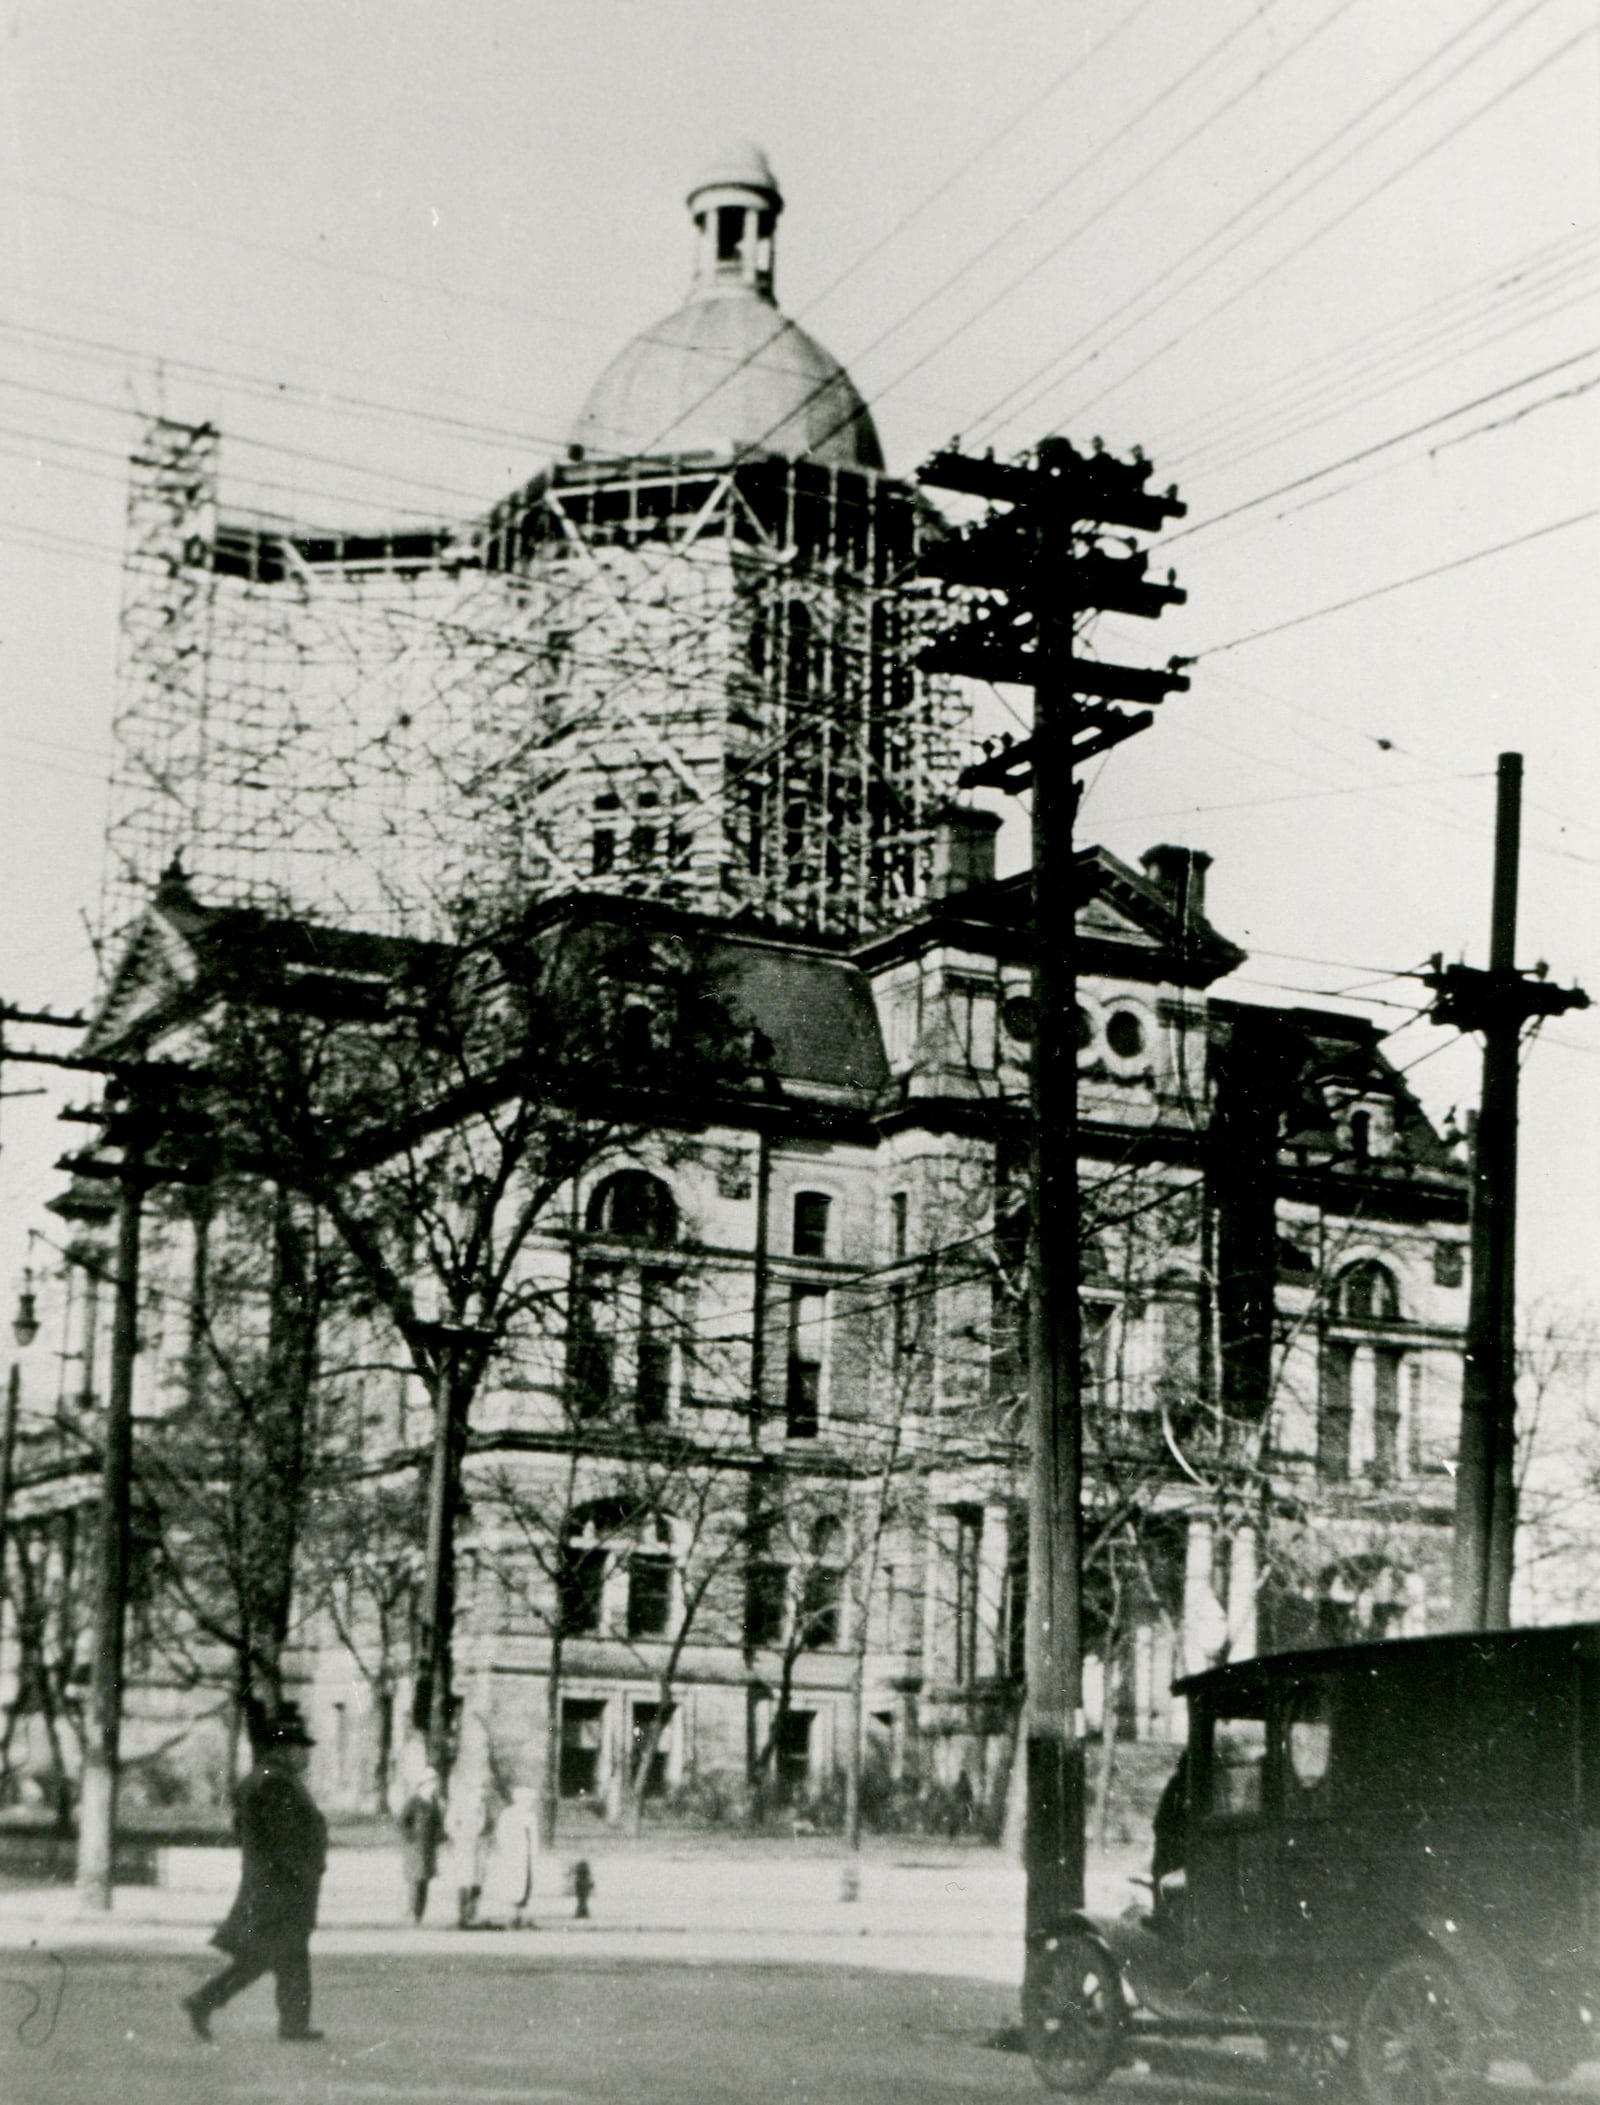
x=434, y=1709
x=97, y=1803
x=1498, y=1003
x=24, y=1328
x=1038, y=562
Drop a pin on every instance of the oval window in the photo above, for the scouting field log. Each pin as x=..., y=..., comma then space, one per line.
x=1125, y=1034
x=1016, y=1016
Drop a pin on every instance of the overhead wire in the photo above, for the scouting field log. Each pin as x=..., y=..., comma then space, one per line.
x=1530, y=276
x=1417, y=577
x=1279, y=196
x=1307, y=242
x=1343, y=398
x=1384, y=445
x=1158, y=164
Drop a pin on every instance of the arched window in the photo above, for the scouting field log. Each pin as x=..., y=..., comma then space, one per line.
x=633, y=1207
x=1367, y=1293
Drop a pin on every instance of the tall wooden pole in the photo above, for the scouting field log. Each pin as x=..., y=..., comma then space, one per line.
x=97, y=1808
x=1485, y=1484
x=444, y=1497
x=1497, y=1002
x=1055, y=1750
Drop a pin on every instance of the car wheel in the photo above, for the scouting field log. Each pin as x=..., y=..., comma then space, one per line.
x=1073, y=2014
x=1309, y=2064
x=1419, y=2041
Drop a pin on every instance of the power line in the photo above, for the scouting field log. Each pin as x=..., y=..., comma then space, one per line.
x=1398, y=584
x=1507, y=286
x=1157, y=165
x=1348, y=212
x=1055, y=369
x=1348, y=460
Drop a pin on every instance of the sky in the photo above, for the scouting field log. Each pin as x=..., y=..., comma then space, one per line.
x=1333, y=264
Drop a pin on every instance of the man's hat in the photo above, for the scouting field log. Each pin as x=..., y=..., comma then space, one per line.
x=287, y=1729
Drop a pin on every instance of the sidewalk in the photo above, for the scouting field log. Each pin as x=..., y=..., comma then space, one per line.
x=913, y=1907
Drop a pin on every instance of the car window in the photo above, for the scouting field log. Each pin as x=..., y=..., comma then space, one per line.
x=1308, y=1742
x=1238, y=1766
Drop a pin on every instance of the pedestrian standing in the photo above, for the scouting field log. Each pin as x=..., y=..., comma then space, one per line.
x=475, y=1802
x=283, y=1842
x=422, y=1834
x=508, y=1872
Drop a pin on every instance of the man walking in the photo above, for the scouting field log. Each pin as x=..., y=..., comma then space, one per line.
x=283, y=1840
x=421, y=1833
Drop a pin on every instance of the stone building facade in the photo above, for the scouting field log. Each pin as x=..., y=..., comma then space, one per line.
x=754, y=1496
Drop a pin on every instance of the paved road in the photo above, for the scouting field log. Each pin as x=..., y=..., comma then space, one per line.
x=84, y=2026
x=104, y=2026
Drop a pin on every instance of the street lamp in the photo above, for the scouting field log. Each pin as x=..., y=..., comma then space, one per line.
x=24, y=1328
x=25, y=1323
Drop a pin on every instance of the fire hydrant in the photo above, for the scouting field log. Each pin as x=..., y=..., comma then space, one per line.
x=582, y=1886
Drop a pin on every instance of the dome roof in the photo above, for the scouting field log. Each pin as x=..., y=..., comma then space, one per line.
x=728, y=371
x=741, y=166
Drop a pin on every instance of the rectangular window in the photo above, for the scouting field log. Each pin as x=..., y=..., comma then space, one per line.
x=654, y=1783
x=1385, y=1415
x=811, y=1210
x=1334, y=1410
x=766, y=1599
x=899, y=1217
x=794, y=1755
x=602, y=851
x=902, y=1336
x=824, y=1589
x=1237, y=1767
x=592, y=1366
x=583, y=1726
x=582, y=1585
x=649, y=1594
x=965, y=1546
x=808, y=1313
x=653, y=1389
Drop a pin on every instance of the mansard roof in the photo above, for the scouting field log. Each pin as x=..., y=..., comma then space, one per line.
x=812, y=1037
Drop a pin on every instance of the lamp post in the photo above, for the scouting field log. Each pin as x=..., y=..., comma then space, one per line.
x=24, y=1328
x=451, y=1395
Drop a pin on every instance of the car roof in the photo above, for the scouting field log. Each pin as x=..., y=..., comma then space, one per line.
x=1399, y=1654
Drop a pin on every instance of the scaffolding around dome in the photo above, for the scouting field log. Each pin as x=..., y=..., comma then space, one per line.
x=689, y=680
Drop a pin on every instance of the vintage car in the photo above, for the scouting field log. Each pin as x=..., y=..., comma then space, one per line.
x=1390, y=1867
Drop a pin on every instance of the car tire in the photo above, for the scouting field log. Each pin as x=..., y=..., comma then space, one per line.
x=1309, y=2065
x=1074, y=2015
x=1419, y=2040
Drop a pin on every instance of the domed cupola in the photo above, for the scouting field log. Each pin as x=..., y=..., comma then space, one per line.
x=728, y=374
x=735, y=206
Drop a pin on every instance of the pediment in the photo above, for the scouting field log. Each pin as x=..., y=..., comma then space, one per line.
x=157, y=967
x=1129, y=924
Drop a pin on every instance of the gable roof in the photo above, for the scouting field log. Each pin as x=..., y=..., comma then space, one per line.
x=1129, y=927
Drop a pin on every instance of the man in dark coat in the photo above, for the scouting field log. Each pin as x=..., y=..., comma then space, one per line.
x=283, y=1840
x=421, y=1833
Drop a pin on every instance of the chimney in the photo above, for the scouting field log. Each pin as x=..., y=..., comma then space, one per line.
x=1180, y=874
x=963, y=849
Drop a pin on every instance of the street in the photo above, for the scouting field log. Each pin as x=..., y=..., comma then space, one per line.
x=482, y=2029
